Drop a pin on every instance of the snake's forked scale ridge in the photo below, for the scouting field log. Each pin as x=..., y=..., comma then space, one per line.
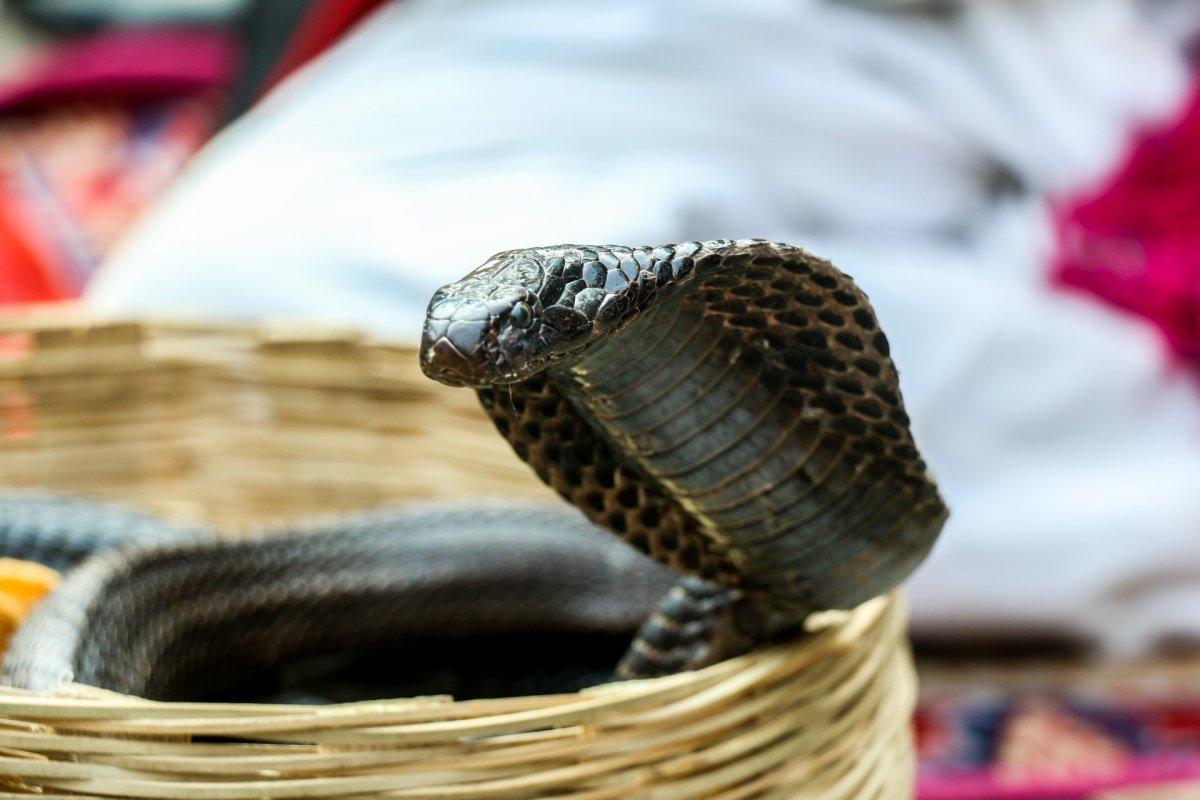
x=729, y=407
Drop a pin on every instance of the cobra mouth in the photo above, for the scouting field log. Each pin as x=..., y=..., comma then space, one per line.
x=445, y=363
x=470, y=352
x=448, y=365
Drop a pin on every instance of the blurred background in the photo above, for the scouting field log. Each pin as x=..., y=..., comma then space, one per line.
x=1015, y=183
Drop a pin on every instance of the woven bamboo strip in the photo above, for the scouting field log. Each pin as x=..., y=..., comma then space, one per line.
x=253, y=425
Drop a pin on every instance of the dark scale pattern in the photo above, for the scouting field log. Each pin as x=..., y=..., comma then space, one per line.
x=249, y=618
x=729, y=407
x=61, y=530
x=569, y=455
x=799, y=340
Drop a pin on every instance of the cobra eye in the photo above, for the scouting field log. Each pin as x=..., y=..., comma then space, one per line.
x=521, y=315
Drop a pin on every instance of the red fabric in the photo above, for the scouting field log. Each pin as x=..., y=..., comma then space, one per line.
x=125, y=65
x=1132, y=730
x=91, y=132
x=1136, y=241
x=325, y=23
x=24, y=278
x=72, y=181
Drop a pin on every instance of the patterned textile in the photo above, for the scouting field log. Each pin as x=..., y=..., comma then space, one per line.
x=92, y=130
x=1113, y=740
x=74, y=178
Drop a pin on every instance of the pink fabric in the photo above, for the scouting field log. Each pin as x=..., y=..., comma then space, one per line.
x=105, y=124
x=125, y=65
x=1135, y=242
x=986, y=785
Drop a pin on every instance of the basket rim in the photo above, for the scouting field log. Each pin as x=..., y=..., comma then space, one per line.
x=826, y=716
x=829, y=632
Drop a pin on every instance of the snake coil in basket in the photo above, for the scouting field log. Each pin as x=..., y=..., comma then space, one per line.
x=210, y=618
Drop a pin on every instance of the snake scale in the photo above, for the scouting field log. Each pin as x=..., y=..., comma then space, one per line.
x=61, y=531
x=728, y=407
x=422, y=590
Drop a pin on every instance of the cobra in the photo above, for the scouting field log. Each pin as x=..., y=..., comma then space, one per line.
x=730, y=408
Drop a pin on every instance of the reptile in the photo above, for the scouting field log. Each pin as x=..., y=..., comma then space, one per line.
x=729, y=408
x=61, y=531
x=478, y=599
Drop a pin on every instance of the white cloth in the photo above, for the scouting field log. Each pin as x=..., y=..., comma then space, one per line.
x=912, y=149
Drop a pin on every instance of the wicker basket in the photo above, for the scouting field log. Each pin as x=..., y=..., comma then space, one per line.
x=240, y=427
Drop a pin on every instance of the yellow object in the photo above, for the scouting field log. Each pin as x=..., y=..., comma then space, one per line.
x=22, y=585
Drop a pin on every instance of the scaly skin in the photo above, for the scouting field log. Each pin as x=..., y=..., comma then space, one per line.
x=195, y=619
x=728, y=407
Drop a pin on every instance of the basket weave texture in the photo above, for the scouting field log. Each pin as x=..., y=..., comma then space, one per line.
x=245, y=426
x=238, y=427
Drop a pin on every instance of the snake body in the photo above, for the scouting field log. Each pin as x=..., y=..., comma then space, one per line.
x=728, y=407
x=219, y=619
x=61, y=531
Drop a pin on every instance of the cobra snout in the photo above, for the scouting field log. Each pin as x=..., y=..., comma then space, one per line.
x=452, y=341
